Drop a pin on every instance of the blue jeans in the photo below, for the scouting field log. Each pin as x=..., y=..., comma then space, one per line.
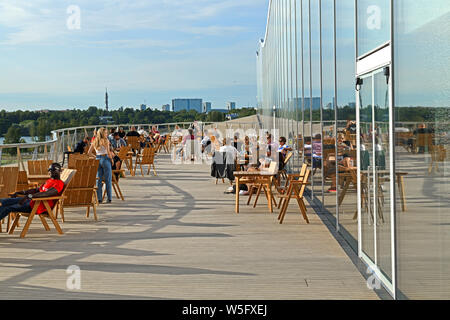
x=12, y=205
x=104, y=173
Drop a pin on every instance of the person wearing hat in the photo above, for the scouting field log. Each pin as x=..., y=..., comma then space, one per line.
x=22, y=201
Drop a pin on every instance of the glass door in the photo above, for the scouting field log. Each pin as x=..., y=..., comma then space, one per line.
x=374, y=172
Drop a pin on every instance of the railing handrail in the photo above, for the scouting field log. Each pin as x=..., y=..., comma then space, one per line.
x=55, y=133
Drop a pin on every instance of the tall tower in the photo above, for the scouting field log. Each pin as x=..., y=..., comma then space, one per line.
x=106, y=99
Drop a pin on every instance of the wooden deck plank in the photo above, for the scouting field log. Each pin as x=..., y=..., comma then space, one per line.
x=177, y=237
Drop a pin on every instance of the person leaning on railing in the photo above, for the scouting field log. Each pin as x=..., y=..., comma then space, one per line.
x=103, y=151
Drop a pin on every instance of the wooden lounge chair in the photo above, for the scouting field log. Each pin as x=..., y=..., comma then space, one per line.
x=38, y=167
x=283, y=172
x=133, y=142
x=147, y=158
x=125, y=155
x=295, y=190
x=8, y=184
x=81, y=192
x=66, y=177
x=115, y=183
x=74, y=157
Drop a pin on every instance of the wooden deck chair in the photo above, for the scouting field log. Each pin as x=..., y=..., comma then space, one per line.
x=296, y=189
x=293, y=176
x=74, y=157
x=115, y=183
x=283, y=172
x=66, y=177
x=8, y=185
x=133, y=142
x=81, y=192
x=38, y=167
x=264, y=182
x=166, y=144
x=126, y=157
x=147, y=158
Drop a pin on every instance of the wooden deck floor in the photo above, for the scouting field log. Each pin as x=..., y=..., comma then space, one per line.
x=177, y=237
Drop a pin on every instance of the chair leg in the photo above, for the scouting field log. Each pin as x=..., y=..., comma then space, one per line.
x=50, y=214
x=118, y=190
x=257, y=195
x=61, y=210
x=154, y=169
x=15, y=223
x=250, y=195
x=95, y=212
x=46, y=227
x=27, y=224
x=87, y=211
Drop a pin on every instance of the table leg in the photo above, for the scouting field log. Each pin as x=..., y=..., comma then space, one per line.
x=237, y=195
x=401, y=188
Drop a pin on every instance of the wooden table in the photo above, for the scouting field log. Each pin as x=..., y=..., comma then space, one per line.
x=261, y=177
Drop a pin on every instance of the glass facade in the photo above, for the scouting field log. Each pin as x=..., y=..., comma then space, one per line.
x=379, y=150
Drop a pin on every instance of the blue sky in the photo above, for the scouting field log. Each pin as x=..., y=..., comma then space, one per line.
x=152, y=50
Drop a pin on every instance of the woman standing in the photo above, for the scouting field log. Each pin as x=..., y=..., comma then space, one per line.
x=103, y=153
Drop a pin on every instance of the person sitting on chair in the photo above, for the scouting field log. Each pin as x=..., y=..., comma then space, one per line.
x=22, y=201
x=81, y=145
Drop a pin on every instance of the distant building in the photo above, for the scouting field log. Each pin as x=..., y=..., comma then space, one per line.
x=187, y=104
x=231, y=105
x=106, y=119
x=166, y=107
x=143, y=107
x=315, y=103
x=206, y=107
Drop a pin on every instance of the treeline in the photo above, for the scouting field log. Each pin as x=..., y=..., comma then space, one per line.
x=16, y=124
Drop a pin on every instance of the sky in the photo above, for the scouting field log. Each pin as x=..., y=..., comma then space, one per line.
x=58, y=54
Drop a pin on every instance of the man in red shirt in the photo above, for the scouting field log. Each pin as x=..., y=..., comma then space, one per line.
x=52, y=187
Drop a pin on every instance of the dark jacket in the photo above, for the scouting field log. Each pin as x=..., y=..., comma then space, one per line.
x=222, y=166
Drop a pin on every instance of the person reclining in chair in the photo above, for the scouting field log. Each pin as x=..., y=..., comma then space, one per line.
x=22, y=201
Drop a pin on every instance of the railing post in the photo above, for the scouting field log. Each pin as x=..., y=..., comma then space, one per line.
x=45, y=152
x=19, y=159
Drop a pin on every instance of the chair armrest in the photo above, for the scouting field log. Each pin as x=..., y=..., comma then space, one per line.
x=48, y=198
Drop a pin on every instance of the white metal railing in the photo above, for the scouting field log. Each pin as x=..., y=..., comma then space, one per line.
x=61, y=139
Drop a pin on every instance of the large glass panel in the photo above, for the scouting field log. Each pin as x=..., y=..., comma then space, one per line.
x=367, y=186
x=315, y=100
x=328, y=117
x=306, y=82
x=374, y=27
x=382, y=182
x=299, y=80
x=422, y=135
x=345, y=71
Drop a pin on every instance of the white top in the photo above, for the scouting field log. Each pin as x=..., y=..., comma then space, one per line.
x=205, y=140
x=102, y=151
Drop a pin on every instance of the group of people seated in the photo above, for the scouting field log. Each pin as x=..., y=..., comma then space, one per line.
x=252, y=155
x=118, y=138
